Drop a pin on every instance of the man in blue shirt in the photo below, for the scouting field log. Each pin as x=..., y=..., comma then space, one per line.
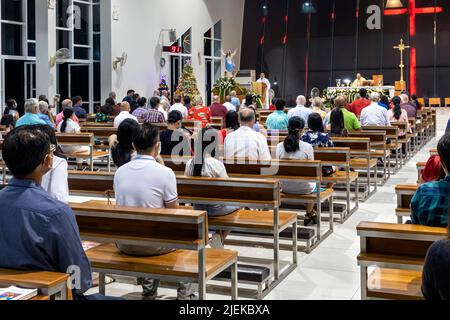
x=429, y=206
x=78, y=108
x=31, y=116
x=235, y=100
x=36, y=231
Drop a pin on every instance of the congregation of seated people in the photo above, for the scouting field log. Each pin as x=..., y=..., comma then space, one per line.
x=35, y=201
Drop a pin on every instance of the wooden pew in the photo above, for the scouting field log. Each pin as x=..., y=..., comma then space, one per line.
x=50, y=285
x=434, y=152
x=246, y=193
x=361, y=159
x=83, y=139
x=404, y=193
x=407, y=139
x=101, y=133
x=378, y=148
x=183, y=230
x=394, y=146
x=398, y=253
x=340, y=159
x=217, y=121
x=305, y=171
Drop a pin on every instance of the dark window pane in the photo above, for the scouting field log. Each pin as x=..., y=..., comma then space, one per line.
x=81, y=53
x=97, y=76
x=31, y=20
x=97, y=51
x=12, y=10
x=208, y=49
x=187, y=42
x=81, y=25
x=208, y=34
x=96, y=18
x=218, y=30
x=11, y=39
x=217, y=48
x=63, y=39
x=61, y=14
x=31, y=49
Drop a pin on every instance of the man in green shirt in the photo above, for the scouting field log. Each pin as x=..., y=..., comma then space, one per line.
x=351, y=122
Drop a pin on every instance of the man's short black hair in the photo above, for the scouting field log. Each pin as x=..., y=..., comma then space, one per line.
x=142, y=102
x=280, y=104
x=186, y=100
x=154, y=102
x=131, y=91
x=76, y=99
x=174, y=116
x=363, y=92
x=444, y=150
x=146, y=137
x=24, y=149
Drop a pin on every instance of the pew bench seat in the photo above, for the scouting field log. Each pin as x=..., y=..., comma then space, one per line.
x=179, y=263
x=394, y=261
x=362, y=163
x=395, y=284
x=308, y=198
x=341, y=176
x=254, y=220
x=87, y=155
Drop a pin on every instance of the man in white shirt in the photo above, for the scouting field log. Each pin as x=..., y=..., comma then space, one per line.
x=375, y=115
x=246, y=143
x=300, y=110
x=228, y=104
x=124, y=114
x=145, y=183
x=178, y=106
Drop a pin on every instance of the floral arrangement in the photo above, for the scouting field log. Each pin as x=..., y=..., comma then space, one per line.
x=225, y=85
x=257, y=99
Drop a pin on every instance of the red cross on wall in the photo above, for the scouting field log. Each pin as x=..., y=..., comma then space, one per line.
x=412, y=10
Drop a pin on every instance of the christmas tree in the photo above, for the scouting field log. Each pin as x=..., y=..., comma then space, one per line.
x=163, y=85
x=188, y=84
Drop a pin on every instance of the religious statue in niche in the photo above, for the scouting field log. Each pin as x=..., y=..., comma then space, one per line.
x=230, y=66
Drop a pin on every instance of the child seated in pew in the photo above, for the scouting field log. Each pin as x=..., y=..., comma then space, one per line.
x=38, y=233
x=294, y=149
x=55, y=182
x=430, y=203
x=436, y=270
x=70, y=126
x=142, y=182
x=204, y=164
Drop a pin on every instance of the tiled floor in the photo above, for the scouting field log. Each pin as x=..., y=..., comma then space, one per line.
x=330, y=272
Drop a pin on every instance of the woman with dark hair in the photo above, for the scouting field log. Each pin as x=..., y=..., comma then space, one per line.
x=11, y=109
x=397, y=114
x=231, y=124
x=294, y=149
x=70, y=126
x=122, y=150
x=316, y=135
x=204, y=164
x=175, y=137
x=55, y=182
x=337, y=123
x=384, y=102
x=416, y=101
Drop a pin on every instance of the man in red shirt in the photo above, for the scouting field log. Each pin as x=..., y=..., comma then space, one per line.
x=358, y=105
x=218, y=109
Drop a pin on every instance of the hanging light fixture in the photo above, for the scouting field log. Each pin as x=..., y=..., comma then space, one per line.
x=308, y=7
x=391, y=4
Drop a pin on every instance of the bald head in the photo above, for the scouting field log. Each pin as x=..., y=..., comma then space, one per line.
x=301, y=101
x=340, y=102
x=247, y=117
x=67, y=104
x=125, y=106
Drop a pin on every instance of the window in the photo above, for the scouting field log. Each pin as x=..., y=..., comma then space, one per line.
x=213, y=57
x=185, y=42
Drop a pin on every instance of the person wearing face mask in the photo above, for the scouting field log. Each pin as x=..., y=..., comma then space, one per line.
x=38, y=231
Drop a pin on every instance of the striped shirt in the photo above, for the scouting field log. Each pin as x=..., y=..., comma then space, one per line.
x=154, y=116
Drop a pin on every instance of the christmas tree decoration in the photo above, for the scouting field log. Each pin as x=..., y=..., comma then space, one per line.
x=163, y=84
x=188, y=84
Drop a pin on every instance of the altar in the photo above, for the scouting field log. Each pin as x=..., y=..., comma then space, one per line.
x=351, y=92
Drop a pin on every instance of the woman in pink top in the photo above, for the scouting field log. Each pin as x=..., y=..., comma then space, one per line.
x=397, y=114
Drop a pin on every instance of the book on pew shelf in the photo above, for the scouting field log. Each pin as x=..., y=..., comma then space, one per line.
x=14, y=293
x=87, y=245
